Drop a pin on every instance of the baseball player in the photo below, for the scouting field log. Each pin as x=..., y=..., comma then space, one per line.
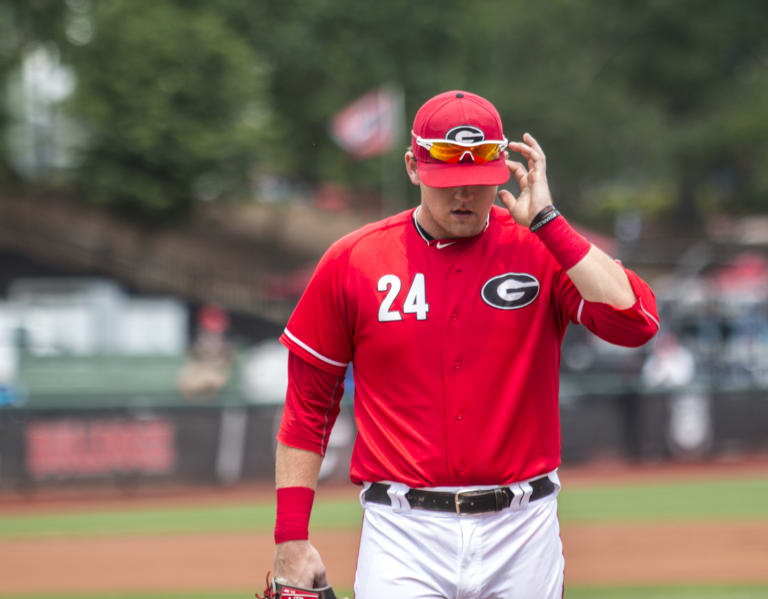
x=452, y=315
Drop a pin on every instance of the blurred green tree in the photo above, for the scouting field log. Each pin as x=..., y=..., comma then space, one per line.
x=540, y=63
x=175, y=107
x=652, y=107
x=704, y=64
x=326, y=53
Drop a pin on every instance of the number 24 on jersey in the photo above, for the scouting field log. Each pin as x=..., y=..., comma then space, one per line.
x=415, y=300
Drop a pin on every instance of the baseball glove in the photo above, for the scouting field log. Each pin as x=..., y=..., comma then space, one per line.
x=278, y=590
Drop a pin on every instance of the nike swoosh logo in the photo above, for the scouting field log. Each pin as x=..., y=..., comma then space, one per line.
x=441, y=245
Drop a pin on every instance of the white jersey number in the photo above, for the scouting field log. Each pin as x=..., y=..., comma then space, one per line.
x=415, y=302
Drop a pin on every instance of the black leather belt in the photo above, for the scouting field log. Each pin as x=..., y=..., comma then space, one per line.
x=471, y=501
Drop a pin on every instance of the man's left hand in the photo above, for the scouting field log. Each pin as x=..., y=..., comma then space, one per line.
x=534, y=189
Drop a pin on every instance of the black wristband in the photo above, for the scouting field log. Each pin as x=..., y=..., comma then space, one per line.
x=541, y=214
x=546, y=215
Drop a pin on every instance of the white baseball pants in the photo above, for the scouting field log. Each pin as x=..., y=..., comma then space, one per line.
x=515, y=553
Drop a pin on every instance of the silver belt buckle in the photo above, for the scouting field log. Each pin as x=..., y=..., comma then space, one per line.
x=458, y=494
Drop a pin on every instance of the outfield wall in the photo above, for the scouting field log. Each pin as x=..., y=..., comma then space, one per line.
x=226, y=444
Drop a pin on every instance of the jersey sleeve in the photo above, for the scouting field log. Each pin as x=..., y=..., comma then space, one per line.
x=630, y=327
x=312, y=404
x=318, y=330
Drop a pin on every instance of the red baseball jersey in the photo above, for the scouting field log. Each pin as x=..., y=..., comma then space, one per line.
x=455, y=347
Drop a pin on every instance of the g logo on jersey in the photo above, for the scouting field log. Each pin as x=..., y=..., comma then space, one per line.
x=465, y=134
x=510, y=291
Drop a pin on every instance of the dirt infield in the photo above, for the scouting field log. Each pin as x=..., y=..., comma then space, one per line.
x=595, y=553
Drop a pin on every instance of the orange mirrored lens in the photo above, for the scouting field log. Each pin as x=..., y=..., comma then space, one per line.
x=448, y=152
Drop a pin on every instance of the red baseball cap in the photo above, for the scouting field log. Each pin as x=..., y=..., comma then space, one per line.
x=458, y=116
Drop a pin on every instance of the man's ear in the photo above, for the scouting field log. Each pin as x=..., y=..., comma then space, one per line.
x=410, y=167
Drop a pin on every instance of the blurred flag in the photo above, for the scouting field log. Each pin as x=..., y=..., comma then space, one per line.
x=369, y=125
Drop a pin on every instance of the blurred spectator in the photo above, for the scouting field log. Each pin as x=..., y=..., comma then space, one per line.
x=264, y=374
x=669, y=364
x=209, y=364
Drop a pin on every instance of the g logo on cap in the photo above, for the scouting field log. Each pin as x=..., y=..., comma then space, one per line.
x=465, y=134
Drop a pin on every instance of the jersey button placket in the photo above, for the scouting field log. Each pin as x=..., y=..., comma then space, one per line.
x=454, y=363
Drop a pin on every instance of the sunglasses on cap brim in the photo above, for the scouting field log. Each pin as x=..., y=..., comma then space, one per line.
x=455, y=151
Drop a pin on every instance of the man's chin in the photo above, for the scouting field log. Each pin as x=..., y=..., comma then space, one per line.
x=464, y=228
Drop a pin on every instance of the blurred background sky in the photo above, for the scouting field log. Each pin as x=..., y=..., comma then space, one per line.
x=170, y=172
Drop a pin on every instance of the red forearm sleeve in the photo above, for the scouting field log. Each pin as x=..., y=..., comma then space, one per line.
x=311, y=405
x=564, y=242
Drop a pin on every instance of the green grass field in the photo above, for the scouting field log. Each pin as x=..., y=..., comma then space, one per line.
x=739, y=499
x=642, y=592
x=645, y=592
x=736, y=499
